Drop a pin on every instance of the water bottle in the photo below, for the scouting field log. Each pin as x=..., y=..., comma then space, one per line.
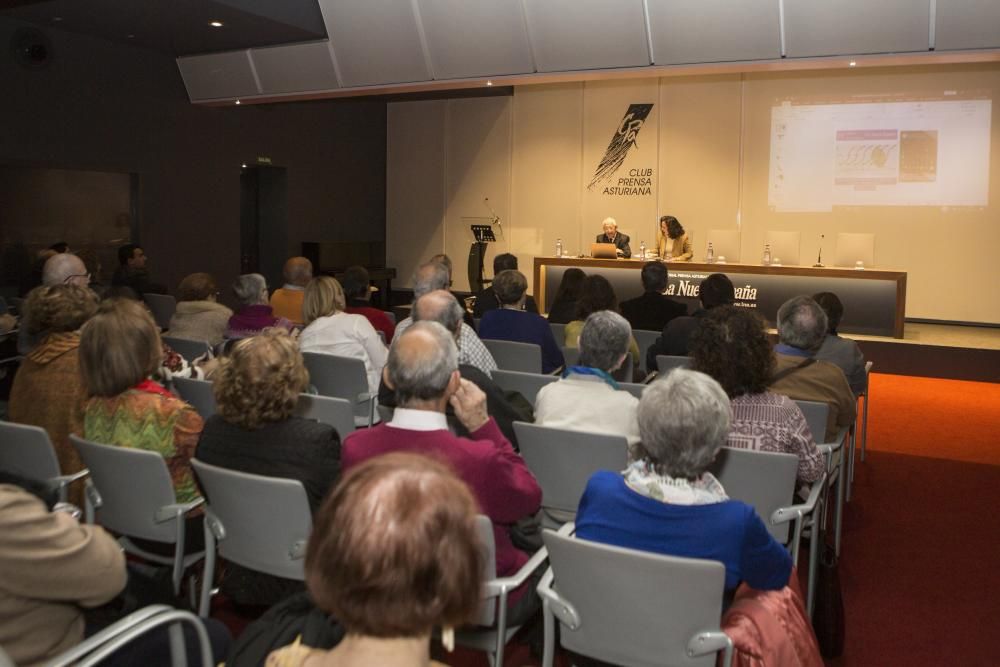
x=710, y=254
x=559, y=248
x=767, y=254
x=642, y=250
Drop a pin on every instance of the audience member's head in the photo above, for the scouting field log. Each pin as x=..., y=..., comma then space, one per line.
x=58, y=308
x=356, y=283
x=684, y=421
x=132, y=256
x=570, y=285
x=251, y=290
x=716, y=290
x=197, y=287
x=324, y=296
x=833, y=308
x=671, y=227
x=298, y=271
x=260, y=381
x=445, y=261
x=510, y=286
x=423, y=365
x=119, y=347
x=654, y=277
x=442, y=307
x=64, y=268
x=731, y=345
x=596, y=294
x=504, y=262
x=801, y=323
x=59, y=246
x=429, y=277
x=394, y=550
x=604, y=340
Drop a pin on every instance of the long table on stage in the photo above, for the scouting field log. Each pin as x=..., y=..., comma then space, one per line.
x=874, y=300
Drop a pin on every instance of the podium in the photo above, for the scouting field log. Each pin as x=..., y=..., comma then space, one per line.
x=477, y=253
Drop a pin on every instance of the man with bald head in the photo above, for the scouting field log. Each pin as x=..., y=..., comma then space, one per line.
x=59, y=269
x=287, y=300
x=423, y=372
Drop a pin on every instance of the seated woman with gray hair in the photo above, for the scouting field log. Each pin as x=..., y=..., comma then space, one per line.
x=667, y=502
x=255, y=313
x=511, y=322
x=587, y=398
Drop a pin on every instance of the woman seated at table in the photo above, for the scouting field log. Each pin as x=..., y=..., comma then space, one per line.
x=256, y=389
x=672, y=241
x=511, y=322
x=667, y=502
x=597, y=294
x=329, y=329
x=394, y=553
x=731, y=345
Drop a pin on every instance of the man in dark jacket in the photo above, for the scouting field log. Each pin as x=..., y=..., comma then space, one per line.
x=652, y=311
x=132, y=272
x=716, y=290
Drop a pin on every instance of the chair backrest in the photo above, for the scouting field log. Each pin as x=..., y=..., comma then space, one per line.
x=337, y=412
x=763, y=480
x=563, y=461
x=133, y=485
x=635, y=607
x=558, y=332
x=340, y=377
x=162, y=306
x=785, y=246
x=571, y=356
x=186, y=347
x=645, y=339
x=816, y=414
x=633, y=388
x=854, y=248
x=668, y=362
x=198, y=393
x=264, y=522
x=725, y=243
x=391, y=315
x=488, y=609
x=526, y=384
x=27, y=451
x=513, y=356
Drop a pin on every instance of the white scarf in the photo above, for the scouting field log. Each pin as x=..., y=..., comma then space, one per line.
x=641, y=478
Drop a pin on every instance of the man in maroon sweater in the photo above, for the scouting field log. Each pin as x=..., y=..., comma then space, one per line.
x=423, y=371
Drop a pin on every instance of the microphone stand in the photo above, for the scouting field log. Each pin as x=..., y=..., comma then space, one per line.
x=493, y=215
x=819, y=257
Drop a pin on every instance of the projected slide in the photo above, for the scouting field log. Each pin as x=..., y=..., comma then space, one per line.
x=909, y=152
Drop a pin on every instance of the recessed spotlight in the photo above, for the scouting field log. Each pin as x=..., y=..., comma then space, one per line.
x=244, y=165
x=215, y=24
x=56, y=19
x=853, y=63
x=237, y=101
x=489, y=83
x=130, y=36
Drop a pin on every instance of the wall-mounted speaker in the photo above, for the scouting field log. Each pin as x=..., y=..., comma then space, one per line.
x=31, y=48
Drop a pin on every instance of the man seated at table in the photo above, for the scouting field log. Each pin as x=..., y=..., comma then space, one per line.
x=799, y=375
x=487, y=299
x=612, y=235
x=653, y=310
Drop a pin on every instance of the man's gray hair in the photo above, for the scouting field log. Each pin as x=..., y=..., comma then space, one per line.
x=439, y=306
x=428, y=277
x=802, y=323
x=422, y=373
x=604, y=339
x=248, y=288
x=60, y=267
x=683, y=421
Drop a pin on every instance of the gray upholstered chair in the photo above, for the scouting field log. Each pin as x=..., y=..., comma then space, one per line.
x=27, y=451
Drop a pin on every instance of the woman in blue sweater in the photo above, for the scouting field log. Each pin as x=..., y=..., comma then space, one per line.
x=511, y=322
x=667, y=502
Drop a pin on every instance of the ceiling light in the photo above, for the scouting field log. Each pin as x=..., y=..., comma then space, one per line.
x=244, y=165
x=130, y=36
x=853, y=63
x=215, y=24
x=56, y=19
x=237, y=101
x=489, y=83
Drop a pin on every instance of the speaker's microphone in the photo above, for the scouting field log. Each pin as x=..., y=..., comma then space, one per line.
x=819, y=257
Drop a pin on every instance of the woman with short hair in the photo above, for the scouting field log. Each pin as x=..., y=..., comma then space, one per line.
x=394, y=554
x=199, y=315
x=667, y=502
x=511, y=322
x=730, y=344
x=331, y=330
x=255, y=313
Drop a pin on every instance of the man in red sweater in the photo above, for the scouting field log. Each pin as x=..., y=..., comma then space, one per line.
x=423, y=371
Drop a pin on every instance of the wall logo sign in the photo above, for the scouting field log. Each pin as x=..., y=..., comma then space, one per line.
x=638, y=181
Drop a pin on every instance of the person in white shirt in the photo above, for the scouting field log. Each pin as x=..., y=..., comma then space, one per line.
x=587, y=398
x=329, y=329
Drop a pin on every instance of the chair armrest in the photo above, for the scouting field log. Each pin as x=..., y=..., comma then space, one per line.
x=650, y=377
x=559, y=607
x=500, y=585
x=704, y=643
x=174, y=510
x=63, y=480
x=783, y=514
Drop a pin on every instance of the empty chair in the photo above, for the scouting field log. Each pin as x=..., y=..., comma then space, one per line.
x=526, y=384
x=343, y=377
x=512, y=356
x=162, y=306
x=261, y=523
x=562, y=462
x=784, y=247
x=131, y=493
x=198, y=393
x=337, y=412
x=28, y=452
x=632, y=607
x=571, y=355
x=667, y=362
x=187, y=348
x=854, y=248
x=558, y=332
x=645, y=340
x=725, y=243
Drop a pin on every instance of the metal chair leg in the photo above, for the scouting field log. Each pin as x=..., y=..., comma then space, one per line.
x=864, y=426
x=839, y=518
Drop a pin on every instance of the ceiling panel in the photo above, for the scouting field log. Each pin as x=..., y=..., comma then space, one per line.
x=587, y=34
x=704, y=31
x=470, y=38
x=218, y=75
x=295, y=68
x=967, y=24
x=825, y=28
x=375, y=41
